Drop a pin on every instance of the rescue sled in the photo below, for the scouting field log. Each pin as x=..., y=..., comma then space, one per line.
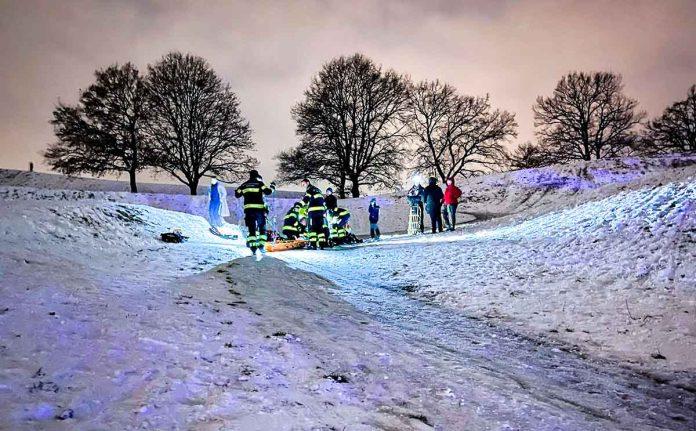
x=285, y=244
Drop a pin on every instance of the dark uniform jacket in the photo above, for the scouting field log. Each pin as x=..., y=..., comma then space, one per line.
x=291, y=222
x=314, y=200
x=252, y=191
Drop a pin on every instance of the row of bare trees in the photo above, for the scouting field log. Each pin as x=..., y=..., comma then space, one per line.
x=359, y=126
x=589, y=117
x=180, y=118
x=356, y=119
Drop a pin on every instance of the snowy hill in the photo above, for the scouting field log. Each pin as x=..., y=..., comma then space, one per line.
x=506, y=196
x=17, y=178
x=524, y=319
x=616, y=276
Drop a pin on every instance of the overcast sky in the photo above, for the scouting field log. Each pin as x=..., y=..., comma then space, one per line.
x=268, y=52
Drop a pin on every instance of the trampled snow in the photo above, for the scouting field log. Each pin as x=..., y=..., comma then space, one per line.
x=500, y=325
x=574, y=274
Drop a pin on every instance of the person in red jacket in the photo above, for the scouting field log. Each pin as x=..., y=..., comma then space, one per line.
x=450, y=202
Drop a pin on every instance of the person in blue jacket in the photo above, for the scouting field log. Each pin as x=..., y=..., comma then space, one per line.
x=373, y=209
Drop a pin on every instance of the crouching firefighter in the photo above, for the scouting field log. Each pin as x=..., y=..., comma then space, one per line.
x=339, y=225
x=291, y=224
x=253, y=191
x=316, y=210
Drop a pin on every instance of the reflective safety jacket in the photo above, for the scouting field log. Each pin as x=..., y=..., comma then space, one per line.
x=341, y=215
x=291, y=223
x=314, y=200
x=252, y=191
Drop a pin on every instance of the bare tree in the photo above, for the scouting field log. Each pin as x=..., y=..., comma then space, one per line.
x=454, y=134
x=530, y=155
x=675, y=130
x=305, y=161
x=587, y=117
x=103, y=132
x=196, y=126
x=350, y=126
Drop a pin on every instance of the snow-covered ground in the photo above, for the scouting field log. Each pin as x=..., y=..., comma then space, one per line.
x=102, y=326
x=617, y=277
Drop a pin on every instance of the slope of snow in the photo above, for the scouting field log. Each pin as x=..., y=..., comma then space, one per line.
x=17, y=178
x=102, y=325
x=501, y=197
x=616, y=276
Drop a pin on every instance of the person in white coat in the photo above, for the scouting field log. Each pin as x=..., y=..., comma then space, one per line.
x=217, y=204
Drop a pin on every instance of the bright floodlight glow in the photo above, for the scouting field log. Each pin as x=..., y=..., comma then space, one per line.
x=417, y=179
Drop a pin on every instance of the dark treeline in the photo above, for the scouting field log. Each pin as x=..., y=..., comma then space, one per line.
x=359, y=126
x=180, y=118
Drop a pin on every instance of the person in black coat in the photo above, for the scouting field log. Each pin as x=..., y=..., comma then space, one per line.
x=432, y=198
x=330, y=200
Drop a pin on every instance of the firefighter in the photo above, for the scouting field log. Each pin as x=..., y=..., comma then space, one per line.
x=339, y=225
x=316, y=212
x=255, y=210
x=291, y=223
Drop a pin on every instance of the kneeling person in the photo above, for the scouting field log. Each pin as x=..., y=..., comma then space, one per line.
x=339, y=225
x=291, y=223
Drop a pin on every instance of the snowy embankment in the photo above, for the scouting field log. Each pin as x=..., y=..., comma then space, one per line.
x=103, y=326
x=497, y=197
x=616, y=276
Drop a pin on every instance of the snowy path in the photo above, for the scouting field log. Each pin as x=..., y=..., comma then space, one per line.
x=596, y=258
x=536, y=375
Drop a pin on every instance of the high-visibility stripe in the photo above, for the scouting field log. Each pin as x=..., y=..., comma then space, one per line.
x=254, y=206
x=289, y=228
x=316, y=209
x=290, y=216
x=251, y=190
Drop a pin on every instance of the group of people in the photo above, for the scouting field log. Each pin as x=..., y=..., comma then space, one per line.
x=317, y=217
x=438, y=204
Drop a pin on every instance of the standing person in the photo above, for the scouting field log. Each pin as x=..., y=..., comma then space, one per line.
x=253, y=191
x=217, y=205
x=330, y=200
x=451, y=200
x=432, y=198
x=415, y=200
x=316, y=211
x=373, y=210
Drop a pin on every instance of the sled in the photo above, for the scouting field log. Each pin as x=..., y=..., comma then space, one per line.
x=285, y=244
x=222, y=235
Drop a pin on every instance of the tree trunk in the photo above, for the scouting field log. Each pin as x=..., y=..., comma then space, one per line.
x=193, y=186
x=133, y=184
x=342, y=188
x=355, y=188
